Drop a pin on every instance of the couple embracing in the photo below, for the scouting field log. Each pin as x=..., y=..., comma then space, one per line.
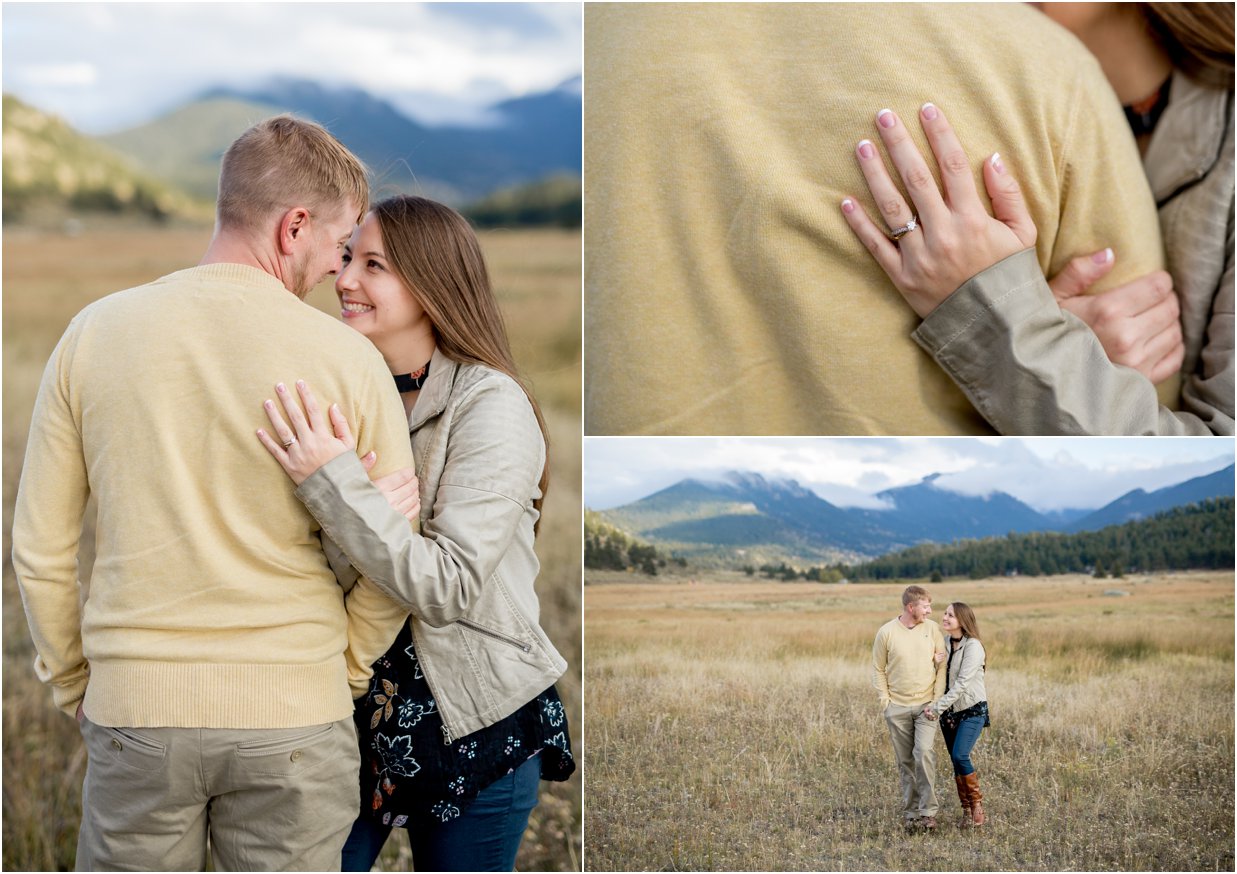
x=276, y=657
x=926, y=677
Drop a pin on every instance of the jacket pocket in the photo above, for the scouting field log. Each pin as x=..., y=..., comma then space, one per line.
x=495, y=635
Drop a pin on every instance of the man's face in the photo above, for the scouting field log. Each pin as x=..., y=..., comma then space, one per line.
x=328, y=235
x=919, y=610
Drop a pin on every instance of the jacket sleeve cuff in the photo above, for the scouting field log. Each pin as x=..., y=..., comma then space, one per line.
x=978, y=315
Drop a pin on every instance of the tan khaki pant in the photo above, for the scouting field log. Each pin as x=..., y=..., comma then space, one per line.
x=914, y=747
x=269, y=799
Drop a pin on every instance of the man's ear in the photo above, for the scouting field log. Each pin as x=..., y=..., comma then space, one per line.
x=293, y=229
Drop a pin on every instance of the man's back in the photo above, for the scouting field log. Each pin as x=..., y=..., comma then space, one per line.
x=724, y=292
x=209, y=589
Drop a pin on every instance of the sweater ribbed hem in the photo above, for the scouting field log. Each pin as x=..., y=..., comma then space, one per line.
x=149, y=694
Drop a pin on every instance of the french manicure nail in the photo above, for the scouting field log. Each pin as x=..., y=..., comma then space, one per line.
x=280, y=387
x=929, y=111
x=885, y=118
x=996, y=163
x=300, y=383
x=848, y=206
x=865, y=149
x=1102, y=257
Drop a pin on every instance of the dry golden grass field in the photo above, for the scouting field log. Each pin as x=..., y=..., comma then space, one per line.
x=732, y=726
x=49, y=277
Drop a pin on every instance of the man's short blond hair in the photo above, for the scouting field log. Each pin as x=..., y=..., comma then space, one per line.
x=915, y=593
x=284, y=162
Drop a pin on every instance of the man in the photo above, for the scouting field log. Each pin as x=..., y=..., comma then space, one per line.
x=210, y=660
x=724, y=293
x=908, y=677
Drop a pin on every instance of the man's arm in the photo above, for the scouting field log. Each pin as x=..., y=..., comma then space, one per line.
x=47, y=527
x=374, y=620
x=880, y=661
x=942, y=672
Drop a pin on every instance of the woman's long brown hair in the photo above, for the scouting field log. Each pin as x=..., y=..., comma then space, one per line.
x=1198, y=38
x=433, y=249
x=969, y=624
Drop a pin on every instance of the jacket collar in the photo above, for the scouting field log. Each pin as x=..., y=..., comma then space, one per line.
x=436, y=392
x=1187, y=140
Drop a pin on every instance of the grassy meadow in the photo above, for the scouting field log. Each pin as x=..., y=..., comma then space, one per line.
x=732, y=726
x=48, y=278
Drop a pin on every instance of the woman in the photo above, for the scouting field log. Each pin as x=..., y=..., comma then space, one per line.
x=1172, y=65
x=462, y=716
x=963, y=709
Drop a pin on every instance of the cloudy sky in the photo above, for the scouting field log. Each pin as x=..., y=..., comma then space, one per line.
x=1048, y=473
x=108, y=66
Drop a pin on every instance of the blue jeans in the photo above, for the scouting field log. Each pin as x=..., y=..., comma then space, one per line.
x=485, y=837
x=960, y=741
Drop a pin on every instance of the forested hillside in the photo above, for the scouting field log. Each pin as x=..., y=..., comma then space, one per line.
x=1197, y=536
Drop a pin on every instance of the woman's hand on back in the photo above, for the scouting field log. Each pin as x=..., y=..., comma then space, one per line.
x=954, y=238
x=304, y=442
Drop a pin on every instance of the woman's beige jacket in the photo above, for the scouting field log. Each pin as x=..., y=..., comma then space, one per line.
x=966, y=678
x=468, y=577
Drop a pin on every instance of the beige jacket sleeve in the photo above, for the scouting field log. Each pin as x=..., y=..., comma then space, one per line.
x=1030, y=368
x=494, y=459
x=47, y=527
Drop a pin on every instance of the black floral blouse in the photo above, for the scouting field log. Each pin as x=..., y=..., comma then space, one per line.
x=408, y=775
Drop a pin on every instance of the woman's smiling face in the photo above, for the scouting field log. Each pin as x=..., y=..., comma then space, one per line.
x=373, y=299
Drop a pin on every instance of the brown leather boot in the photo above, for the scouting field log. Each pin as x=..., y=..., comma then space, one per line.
x=972, y=789
x=965, y=797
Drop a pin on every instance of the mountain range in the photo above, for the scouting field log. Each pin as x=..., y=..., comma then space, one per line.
x=746, y=516
x=528, y=138
x=51, y=171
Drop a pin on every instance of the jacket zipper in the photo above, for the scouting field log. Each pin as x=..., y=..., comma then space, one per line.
x=447, y=736
x=524, y=647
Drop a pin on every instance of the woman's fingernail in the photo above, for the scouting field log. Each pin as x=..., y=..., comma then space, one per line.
x=865, y=149
x=300, y=383
x=885, y=118
x=929, y=111
x=268, y=403
x=280, y=387
x=1102, y=257
x=848, y=206
x=995, y=160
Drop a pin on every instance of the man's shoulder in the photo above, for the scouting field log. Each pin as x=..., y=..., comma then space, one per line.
x=884, y=630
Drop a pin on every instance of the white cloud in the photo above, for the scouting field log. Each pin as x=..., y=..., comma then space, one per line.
x=148, y=57
x=850, y=472
x=72, y=75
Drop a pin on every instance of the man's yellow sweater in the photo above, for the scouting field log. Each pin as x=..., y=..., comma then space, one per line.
x=210, y=604
x=903, y=669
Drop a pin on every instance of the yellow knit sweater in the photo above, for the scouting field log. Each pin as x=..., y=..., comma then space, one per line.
x=210, y=604
x=903, y=670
